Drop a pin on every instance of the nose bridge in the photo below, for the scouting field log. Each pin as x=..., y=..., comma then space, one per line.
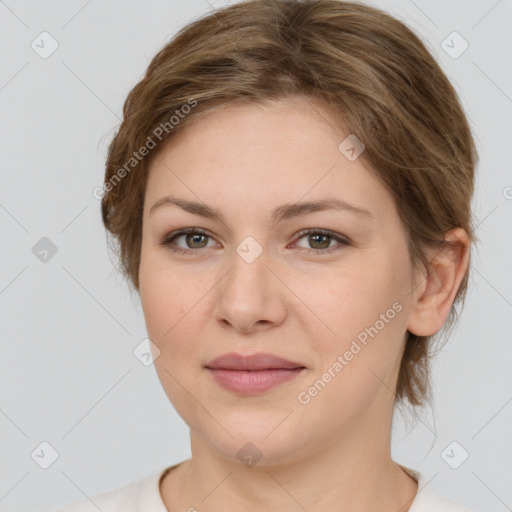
x=249, y=250
x=247, y=294
x=249, y=265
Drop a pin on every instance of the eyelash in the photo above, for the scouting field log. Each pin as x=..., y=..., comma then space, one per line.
x=169, y=239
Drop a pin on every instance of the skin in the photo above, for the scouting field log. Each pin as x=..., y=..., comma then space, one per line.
x=332, y=453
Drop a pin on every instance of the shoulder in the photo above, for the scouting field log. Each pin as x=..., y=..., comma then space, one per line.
x=433, y=501
x=116, y=500
x=126, y=499
x=427, y=499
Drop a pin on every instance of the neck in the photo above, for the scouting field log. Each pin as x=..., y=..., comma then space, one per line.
x=353, y=472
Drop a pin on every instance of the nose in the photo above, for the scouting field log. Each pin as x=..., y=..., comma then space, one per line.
x=251, y=296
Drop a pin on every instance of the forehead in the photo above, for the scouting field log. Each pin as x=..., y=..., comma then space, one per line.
x=275, y=125
x=267, y=155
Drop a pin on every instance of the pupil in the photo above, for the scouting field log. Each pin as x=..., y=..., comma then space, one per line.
x=195, y=236
x=324, y=236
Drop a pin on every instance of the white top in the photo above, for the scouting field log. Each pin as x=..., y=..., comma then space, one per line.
x=144, y=496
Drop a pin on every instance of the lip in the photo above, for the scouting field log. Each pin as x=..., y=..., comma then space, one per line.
x=252, y=382
x=252, y=374
x=261, y=361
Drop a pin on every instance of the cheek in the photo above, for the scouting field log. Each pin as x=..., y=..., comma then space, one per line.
x=176, y=307
x=164, y=299
x=168, y=299
x=348, y=301
x=365, y=313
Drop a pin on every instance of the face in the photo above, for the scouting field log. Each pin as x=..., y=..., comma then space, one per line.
x=327, y=288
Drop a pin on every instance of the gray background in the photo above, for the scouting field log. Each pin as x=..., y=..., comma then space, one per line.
x=68, y=375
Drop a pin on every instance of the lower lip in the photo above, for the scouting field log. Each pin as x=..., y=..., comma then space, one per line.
x=251, y=382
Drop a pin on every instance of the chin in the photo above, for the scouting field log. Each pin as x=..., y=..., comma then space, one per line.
x=259, y=445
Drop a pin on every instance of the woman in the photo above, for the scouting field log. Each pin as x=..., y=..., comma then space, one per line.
x=290, y=191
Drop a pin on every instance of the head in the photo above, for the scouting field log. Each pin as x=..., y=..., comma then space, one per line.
x=265, y=104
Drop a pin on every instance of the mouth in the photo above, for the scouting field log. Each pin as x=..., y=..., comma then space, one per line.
x=252, y=374
x=261, y=361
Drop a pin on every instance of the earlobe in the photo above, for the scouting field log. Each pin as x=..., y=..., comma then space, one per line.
x=435, y=296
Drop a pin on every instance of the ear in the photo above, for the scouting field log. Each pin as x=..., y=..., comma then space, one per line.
x=434, y=297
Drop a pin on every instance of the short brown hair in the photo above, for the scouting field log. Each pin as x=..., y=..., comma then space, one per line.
x=367, y=67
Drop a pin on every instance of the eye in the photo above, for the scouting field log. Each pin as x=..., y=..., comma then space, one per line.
x=195, y=237
x=320, y=240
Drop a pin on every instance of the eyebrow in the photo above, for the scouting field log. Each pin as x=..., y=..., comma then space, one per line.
x=284, y=212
